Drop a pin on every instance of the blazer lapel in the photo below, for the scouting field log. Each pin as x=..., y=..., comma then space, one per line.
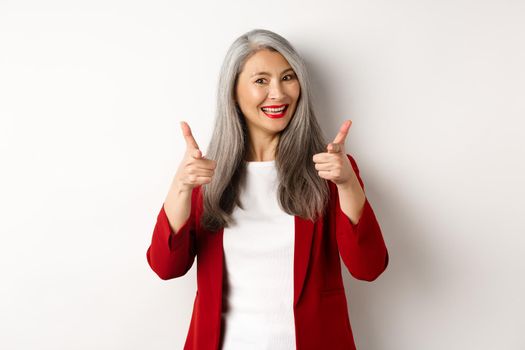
x=304, y=231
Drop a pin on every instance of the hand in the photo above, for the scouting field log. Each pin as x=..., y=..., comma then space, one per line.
x=334, y=165
x=194, y=169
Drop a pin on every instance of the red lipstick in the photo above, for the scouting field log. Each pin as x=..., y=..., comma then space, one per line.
x=275, y=114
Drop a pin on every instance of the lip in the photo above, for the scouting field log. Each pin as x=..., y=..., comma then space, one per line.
x=276, y=116
x=275, y=106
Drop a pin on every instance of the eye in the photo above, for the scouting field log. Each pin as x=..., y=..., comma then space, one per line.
x=291, y=76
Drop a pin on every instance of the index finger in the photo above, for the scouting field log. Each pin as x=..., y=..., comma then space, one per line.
x=343, y=131
x=188, y=136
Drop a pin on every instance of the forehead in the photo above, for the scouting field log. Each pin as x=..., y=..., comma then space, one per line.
x=265, y=61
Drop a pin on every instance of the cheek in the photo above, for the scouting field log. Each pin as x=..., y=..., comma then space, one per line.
x=295, y=91
x=249, y=95
x=256, y=96
x=252, y=97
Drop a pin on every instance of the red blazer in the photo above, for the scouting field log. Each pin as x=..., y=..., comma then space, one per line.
x=320, y=306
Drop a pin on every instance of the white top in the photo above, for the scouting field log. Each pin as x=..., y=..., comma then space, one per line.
x=258, y=254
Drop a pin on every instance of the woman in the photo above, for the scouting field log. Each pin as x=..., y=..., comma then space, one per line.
x=267, y=213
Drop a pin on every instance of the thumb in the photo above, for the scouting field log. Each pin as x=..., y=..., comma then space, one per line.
x=196, y=153
x=334, y=147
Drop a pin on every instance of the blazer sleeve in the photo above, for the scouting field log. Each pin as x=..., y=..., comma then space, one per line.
x=170, y=254
x=361, y=246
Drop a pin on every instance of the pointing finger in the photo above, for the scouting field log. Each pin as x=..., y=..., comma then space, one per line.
x=188, y=136
x=343, y=132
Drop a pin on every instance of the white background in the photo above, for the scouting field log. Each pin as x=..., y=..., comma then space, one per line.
x=91, y=96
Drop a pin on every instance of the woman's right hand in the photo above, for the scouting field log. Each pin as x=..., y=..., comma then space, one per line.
x=194, y=170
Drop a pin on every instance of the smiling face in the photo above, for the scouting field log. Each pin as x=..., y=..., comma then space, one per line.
x=267, y=80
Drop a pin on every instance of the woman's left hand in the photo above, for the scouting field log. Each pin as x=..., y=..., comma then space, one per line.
x=334, y=165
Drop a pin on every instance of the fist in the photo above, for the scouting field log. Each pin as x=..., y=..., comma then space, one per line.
x=334, y=165
x=194, y=169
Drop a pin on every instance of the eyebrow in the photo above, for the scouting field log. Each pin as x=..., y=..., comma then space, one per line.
x=266, y=73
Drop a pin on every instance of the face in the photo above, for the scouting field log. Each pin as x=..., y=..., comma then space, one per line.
x=267, y=80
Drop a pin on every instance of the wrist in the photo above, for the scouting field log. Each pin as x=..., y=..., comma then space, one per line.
x=349, y=185
x=179, y=188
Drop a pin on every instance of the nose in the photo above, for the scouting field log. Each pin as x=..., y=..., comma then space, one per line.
x=275, y=91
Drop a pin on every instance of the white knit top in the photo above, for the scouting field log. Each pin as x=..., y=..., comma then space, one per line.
x=258, y=253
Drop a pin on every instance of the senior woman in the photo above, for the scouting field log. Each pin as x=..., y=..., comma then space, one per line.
x=267, y=213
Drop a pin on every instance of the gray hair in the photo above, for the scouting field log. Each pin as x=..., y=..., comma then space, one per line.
x=301, y=191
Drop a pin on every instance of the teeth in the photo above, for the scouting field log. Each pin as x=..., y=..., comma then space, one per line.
x=274, y=110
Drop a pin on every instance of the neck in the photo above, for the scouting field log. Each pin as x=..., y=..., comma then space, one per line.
x=262, y=147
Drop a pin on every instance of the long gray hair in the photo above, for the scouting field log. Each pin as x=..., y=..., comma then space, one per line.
x=301, y=191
